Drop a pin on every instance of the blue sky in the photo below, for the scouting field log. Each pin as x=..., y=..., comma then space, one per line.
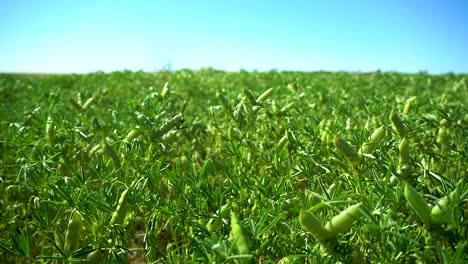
x=103, y=35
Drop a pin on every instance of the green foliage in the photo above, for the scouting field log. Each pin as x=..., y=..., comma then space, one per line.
x=210, y=166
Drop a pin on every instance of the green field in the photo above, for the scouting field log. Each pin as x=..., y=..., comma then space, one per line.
x=215, y=167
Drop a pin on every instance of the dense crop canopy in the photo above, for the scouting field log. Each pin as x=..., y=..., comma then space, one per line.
x=218, y=167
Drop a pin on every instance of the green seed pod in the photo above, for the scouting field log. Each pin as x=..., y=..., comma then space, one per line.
x=398, y=124
x=368, y=124
x=443, y=98
x=287, y=260
x=442, y=138
x=349, y=152
x=349, y=125
x=264, y=96
x=238, y=236
x=418, y=204
x=282, y=142
x=133, y=134
x=94, y=257
x=94, y=149
x=322, y=99
x=170, y=124
x=404, y=152
x=50, y=133
x=286, y=108
x=404, y=167
x=440, y=212
x=325, y=131
x=274, y=107
x=375, y=138
x=331, y=189
x=79, y=98
x=344, y=220
x=408, y=105
x=73, y=234
x=405, y=170
x=121, y=211
x=225, y=209
x=312, y=224
x=213, y=224
x=292, y=87
x=444, y=123
x=170, y=136
x=165, y=90
x=394, y=181
x=88, y=104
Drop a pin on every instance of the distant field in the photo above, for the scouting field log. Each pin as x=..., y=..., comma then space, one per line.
x=244, y=167
x=26, y=74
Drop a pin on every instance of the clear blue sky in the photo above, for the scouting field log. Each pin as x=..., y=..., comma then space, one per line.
x=91, y=35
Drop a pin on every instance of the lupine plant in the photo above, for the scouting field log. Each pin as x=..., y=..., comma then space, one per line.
x=219, y=167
